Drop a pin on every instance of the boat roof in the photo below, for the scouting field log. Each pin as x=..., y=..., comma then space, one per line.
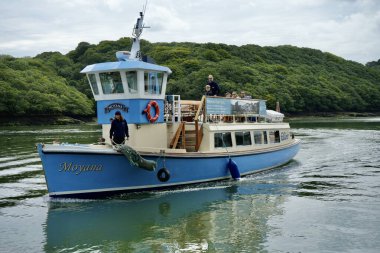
x=271, y=113
x=124, y=65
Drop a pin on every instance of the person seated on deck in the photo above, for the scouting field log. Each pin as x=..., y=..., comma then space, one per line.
x=240, y=119
x=234, y=95
x=228, y=119
x=119, y=129
x=243, y=95
x=228, y=94
x=215, y=89
x=208, y=90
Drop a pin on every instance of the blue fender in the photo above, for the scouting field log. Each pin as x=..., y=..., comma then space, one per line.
x=234, y=170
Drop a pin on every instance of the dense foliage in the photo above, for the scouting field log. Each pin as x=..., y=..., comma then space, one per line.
x=301, y=79
x=30, y=87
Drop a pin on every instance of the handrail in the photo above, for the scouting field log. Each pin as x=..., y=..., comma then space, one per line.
x=199, y=132
x=200, y=108
x=180, y=130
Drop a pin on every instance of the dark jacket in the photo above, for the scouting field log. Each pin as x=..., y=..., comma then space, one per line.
x=215, y=90
x=209, y=93
x=119, y=129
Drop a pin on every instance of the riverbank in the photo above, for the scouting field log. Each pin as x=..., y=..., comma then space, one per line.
x=66, y=120
x=332, y=114
x=44, y=120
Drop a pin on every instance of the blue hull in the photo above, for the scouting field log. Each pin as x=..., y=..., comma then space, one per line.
x=97, y=174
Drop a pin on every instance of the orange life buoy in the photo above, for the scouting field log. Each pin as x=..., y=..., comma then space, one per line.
x=147, y=111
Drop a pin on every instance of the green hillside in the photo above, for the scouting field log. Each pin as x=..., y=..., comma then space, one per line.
x=303, y=80
x=30, y=87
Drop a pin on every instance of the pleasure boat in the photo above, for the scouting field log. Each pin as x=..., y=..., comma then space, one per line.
x=185, y=142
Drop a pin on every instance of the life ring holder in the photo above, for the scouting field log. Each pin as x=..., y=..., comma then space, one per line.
x=163, y=175
x=147, y=111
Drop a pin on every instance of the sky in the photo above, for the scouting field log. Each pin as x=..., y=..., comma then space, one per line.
x=346, y=28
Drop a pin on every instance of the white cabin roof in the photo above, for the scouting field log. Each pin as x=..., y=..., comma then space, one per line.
x=124, y=65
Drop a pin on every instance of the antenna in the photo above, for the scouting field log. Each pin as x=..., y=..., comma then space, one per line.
x=138, y=29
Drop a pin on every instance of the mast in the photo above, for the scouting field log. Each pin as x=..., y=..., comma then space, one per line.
x=137, y=31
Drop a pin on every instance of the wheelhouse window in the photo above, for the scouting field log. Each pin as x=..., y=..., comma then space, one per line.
x=222, y=140
x=94, y=85
x=274, y=136
x=132, y=81
x=258, y=137
x=243, y=138
x=153, y=82
x=111, y=82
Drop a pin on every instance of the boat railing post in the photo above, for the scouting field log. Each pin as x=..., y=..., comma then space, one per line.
x=183, y=136
x=199, y=133
x=196, y=135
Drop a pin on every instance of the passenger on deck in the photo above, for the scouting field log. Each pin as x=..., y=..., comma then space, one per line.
x=215, y=89
x=228, y=94
x=234, y=95
x=243, y=95
x=119, y=129
x=208, y=90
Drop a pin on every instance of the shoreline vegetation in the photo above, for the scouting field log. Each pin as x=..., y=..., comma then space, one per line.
x=45, y=120
x=305, y=81
x=66, y=120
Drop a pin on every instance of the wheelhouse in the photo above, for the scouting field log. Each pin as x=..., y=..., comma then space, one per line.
x=127, y=80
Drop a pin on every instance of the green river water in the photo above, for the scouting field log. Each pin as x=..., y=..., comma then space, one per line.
x=327, y=199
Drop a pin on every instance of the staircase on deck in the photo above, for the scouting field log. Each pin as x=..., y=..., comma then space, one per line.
x=189, y=134
x=186, y=137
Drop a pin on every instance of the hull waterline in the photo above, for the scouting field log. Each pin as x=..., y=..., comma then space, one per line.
x=97, y=174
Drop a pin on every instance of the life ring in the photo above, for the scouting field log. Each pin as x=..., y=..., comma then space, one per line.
x=147, y=111
x=163, y=175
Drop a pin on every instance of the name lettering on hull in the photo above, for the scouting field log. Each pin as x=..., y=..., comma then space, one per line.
x=79, y=168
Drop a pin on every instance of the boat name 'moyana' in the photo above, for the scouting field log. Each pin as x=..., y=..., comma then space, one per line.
x=116, y=106
x=78, y=168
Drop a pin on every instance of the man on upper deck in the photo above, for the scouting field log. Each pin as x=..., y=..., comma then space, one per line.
x=215, y=89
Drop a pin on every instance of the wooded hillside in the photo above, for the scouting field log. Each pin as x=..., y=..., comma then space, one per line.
x=301, y=79
x=30, y=87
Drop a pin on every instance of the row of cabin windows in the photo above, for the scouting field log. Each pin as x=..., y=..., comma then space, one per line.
x=224, y=140
x=111, y=82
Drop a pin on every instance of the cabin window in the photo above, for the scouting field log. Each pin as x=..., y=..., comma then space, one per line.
x=258, y=137
x=265, y=137
x=111, y=82
x=222, y=140
x=132, y=81
x=274, y=136
x=94, y=85
x=153, y=82
x=243, y=138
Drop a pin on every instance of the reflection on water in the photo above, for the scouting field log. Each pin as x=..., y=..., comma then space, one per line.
x=209, y=218
x=325, y=200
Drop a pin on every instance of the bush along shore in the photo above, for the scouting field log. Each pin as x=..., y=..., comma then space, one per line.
x=44, y=120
